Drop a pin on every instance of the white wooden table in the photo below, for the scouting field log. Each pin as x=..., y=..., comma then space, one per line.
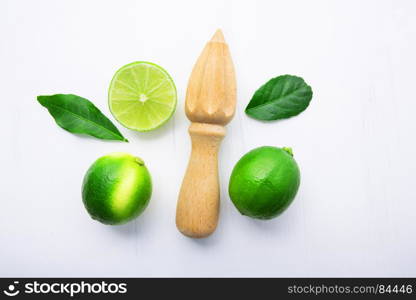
x=355, y=213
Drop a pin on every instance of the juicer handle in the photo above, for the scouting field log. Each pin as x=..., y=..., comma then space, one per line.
x=199, y=198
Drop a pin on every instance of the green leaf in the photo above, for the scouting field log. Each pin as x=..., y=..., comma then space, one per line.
x=78, y=115
x=280, y=98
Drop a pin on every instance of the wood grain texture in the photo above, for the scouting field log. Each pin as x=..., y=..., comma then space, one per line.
x=198, y=205
x=211, y=93
x=210, y=104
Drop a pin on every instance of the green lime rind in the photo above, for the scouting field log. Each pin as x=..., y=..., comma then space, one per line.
x=116, y=188
x=151, y=112
x=264, y=182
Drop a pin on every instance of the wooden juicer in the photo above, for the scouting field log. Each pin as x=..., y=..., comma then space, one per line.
x=210, y=105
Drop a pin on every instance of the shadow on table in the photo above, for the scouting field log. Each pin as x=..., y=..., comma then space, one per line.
x=133, y=228
x=156, y=133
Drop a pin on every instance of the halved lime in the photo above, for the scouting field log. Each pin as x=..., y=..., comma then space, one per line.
x=142, y=96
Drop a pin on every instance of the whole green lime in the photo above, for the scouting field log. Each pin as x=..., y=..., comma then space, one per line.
x=116, y=188
x=264, y=182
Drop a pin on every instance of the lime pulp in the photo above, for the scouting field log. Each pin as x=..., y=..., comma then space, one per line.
x=142, y=96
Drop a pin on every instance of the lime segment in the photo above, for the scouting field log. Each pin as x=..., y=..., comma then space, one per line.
x=142, y=96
